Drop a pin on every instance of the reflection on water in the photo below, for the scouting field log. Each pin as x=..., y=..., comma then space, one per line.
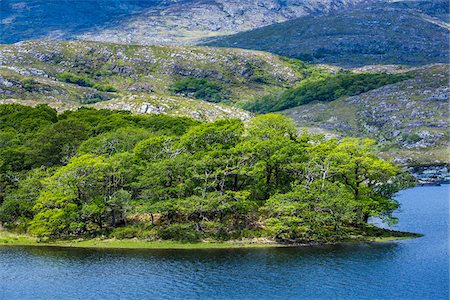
x=413, y=269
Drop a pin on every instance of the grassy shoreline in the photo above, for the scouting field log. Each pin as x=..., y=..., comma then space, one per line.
x=12, y=239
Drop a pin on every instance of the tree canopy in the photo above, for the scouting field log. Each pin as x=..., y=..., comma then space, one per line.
x=99, y=172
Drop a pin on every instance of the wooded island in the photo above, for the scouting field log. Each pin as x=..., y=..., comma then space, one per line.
x=91, y=173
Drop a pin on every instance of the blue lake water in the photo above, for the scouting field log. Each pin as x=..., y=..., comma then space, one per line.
x=411, y=269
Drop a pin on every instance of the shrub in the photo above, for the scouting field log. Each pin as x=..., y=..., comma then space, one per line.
x=179, y=232
x=83, y=80
x=202, y=89
x=29, y=84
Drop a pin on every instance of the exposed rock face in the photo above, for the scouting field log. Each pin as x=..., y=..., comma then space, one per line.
x=176, y=106
x=185, y=22
x=148, y=69
x=151, y=21
x=432, y=175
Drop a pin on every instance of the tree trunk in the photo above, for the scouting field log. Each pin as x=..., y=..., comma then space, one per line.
x=113, y=218
x=365, y=218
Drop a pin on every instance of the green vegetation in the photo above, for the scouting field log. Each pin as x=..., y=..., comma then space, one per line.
x=83, y=80
x=408, y=119
x=202, y=89
x=325, y=88
x=86, y=72
x=169, y=80
x=91, y=173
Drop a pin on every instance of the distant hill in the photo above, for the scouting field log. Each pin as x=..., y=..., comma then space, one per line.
x=400, y=32
x=409, y=119
x=61, y=19
x=149, y=21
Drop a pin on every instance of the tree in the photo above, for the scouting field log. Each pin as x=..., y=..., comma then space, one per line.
x=202, y=89
x=113, y=142
x=273, y=146
x=317, y=211
x=182, y=179
x=83, y=193
x=17, y=209
x=370, y=178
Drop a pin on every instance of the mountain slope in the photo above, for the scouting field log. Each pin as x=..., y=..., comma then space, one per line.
x=68, y=74
x=401, y=32
x=149, y=21
x=409, y=118
x=61, y=19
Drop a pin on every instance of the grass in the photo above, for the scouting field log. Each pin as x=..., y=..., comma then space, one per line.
x=12, y=239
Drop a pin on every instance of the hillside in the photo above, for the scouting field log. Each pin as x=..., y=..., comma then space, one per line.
x=409, y=118
x=149, y=21
x=400, y=32
x=68, y=74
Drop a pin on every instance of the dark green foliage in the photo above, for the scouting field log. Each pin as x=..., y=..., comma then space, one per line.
x=159, y=177
x=24, y=119
x=202, y=89
x=164, y=124
x=179, y=232
x=29, y=84
x=325, y=89
x=17, y=208
x=305, y=57
x=33, y=137
x=92, y=101
x=83, y=80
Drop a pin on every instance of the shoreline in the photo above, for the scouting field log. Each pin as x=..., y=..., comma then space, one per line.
x=9, y=239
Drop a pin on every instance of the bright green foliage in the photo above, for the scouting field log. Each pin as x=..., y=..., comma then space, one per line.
x=220, y=134
x=165, y=178
x=156, y=147
x=325, y=88
x=112, y=142
x=86, y=193
x=202, y=89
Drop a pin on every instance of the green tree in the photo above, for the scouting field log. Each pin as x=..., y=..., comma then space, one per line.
x=83, y=193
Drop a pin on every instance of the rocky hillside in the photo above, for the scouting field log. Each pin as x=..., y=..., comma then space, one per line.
x=409, y=118
x=68, y=74
x=398, y=32
x=149, y=21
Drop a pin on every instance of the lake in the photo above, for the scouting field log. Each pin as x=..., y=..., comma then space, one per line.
x=410, y=269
